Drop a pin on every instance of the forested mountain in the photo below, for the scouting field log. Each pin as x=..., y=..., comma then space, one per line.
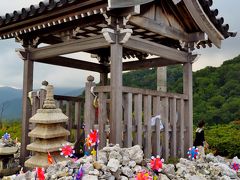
x=216, y=90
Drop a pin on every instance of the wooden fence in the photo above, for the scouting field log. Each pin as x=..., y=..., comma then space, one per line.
x=139, y=106
x=71, y=106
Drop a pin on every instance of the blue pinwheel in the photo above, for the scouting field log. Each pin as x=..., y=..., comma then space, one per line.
x=6, y=137
x=193, y=153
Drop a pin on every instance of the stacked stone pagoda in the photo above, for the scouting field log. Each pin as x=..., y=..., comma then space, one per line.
x=49, y=134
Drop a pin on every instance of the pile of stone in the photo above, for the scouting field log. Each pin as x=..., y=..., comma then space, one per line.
x=124, y=163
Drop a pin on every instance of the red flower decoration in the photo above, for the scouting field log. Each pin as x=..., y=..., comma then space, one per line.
x=93, y=137
x=40, y=173
x=50, y=159
x=235, y=166
x=156, y=163
x=67, y=151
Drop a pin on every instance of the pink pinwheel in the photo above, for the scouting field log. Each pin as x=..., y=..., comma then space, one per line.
x=67, y=151
x=156, y=163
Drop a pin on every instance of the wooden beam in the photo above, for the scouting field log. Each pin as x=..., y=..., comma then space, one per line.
x=147, y=63
x=144, y=45
x=26, y=107
x=159, y=28
x=71, y=46
x=73, y=63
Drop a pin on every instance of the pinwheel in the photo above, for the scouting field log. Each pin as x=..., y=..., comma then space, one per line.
x=193, y=153
x=80, y=173
x=50, y=159
x=235, y=166
x=40, y=173
x=156, y=164
x=6, y=137
x=143, y=175
x=67, y=151
x=93, y=137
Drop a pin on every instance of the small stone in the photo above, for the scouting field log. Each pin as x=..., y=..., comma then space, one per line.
x=115, y=155
x=163, y=177
x=88, y=167
x=132, y=164
x=89, y=177
x=124, y=178
x=113, y=165
x=136, y=154
x=127, y=171
x=97, y=165
x=94, y=172
x=137, y=169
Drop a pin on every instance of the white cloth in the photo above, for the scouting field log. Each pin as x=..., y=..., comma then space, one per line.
x=153, y=121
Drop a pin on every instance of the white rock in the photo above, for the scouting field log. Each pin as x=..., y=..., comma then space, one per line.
x=127, y=171
x=225, y=178
x=113, y=165
x=136, y=154
x=88, y=167
x=89, y=177
x=195, y=177
x=169, y=169
x=102, y=156
x=94, y=172
x=132, y=164
x=137, y=168
x=163, y=177
x=226, y=170
x=115, y=155
x=124, y=178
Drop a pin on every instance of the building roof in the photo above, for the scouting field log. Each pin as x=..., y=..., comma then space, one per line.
x=63, y=11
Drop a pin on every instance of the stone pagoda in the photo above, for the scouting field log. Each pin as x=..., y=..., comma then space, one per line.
x=49, y=134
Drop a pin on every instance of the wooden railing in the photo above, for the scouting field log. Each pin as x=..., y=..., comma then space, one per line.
x=139, y=106
x=71, y=106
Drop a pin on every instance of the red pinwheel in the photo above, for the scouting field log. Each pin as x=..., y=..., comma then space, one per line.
x=67, y=151
x=93, y=137
x=156, y=163
x=143, y=175
x=40, y=173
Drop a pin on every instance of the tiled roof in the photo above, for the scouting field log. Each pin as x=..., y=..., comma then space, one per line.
x=217, y=21
x=34, y=10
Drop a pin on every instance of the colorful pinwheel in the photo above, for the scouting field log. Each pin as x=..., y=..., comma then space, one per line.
x=143, y=175
x=67, y=151
x=193, y=153
x=80, y=173
x=235, y=166
x=40, y=173
x=6, y=137
x=93, y=137
x=156, y=163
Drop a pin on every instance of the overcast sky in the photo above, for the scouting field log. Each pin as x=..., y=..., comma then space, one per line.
x=11, y=66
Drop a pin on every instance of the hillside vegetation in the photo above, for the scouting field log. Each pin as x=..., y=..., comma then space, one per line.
x=216, y=91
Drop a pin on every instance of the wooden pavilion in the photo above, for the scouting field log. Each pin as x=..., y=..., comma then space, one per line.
x=115, y=31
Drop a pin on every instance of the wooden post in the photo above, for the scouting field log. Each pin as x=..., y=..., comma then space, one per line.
x=173, y=122
x=102, y=119
x=138, y=119
x=166, y=127
x=162, y=79
x=128, y=120
x=69, y=109
x=26, y=106
x=103, y=79
x=187, y=89
x=116, y=93
x=148, y=128
x=89, y=111
x=78, y=119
